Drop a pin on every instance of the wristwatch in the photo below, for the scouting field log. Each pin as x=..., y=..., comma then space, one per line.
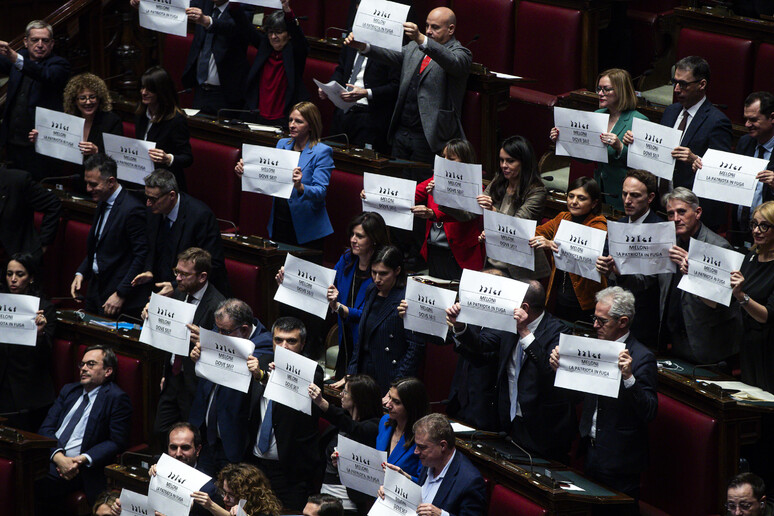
x=745, y=300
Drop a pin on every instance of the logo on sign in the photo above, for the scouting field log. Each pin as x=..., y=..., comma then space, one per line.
x=400, y=492
x=729, y=166
x=712, y=261
x=305, y=275
x=361, y=460
x=267, y=161
x=60, y=126
x=452, y=175
x=223, y=347
x=127, y=150
x=577, y=240
x=505, y=229
x=652, y=138
x=426, y=300
x=383, y=14
x=294, y=370
x=578, y=125
x=163, y=312
x=387, y=191
x=488, y=290
x=639, y=239
x=588, y=354
x=176, y=478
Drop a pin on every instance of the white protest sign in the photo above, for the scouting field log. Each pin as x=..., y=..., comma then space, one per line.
x=709, y=271
x=167, y=16
x=273, y=4
x=59, y=135
x=134, y=504
x=426, y=308
x=333, y=91
x=401, y=496
x=728, y=177
x=289, y=382
x=305, y=286
x=641, y=248
x=268, y=170
x=457, y=184
x=579, y=248
x=360, y=466
x=224, y=360
x=165, y=328
x=17, y=319
x=487, y=300
x=170, y=489
x=589, y=365
x=579, y=134
x=380, y=23
x=390, y=197
x=131, y=156
x=652, y=148
x=507, y=239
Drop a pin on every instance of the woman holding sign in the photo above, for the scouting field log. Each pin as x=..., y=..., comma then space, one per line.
x=241, y=482
x=571, y=295
x=617, y=98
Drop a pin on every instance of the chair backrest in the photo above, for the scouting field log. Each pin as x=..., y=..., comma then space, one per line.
x=129, y=131
x=62, y=363
x=245, y=282
x=131, y=382
x=494, y=46
x=254, y=213
x=505, y=502
x=8, y=487
x=334, y=15
x=472, y=120
x=763, y=79
x=312, y=10
x=321, y=70
x=211, y=178
x=76, y=234
x=343, y=204
x=438, y=370
x=173, y=59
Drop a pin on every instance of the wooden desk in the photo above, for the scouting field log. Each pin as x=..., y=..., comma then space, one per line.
x=30, y=455
x=119, y=477
x=760, y=31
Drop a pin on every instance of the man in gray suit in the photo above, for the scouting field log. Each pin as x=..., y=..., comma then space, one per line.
x=700, y=331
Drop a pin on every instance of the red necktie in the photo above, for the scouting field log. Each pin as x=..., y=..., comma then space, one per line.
x=425, y=62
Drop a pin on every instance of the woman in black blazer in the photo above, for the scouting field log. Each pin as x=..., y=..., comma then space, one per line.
x=87, y=96
x=159, y=119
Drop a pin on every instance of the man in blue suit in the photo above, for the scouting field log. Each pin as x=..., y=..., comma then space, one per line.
x=90, y=421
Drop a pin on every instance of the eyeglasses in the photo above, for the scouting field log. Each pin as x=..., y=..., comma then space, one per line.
x=683, y=84
x=226, y=494
x=153, y=199
x=91, y=364
x=601, y=320
x=45, y=41
x=745, y=506
x=762, y=226
x=227, y=332
x=182, y=274
x=605, y=89
x=84, y=98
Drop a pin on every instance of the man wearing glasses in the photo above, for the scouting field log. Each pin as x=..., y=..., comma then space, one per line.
x=747, y=496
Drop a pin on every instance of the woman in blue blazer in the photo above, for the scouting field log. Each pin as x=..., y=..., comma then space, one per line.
x=406, y=404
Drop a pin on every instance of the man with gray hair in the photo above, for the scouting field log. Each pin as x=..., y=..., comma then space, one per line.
x=614, y=431
x=699, y=330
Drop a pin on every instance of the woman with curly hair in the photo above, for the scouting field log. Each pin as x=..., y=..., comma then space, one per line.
x=237, y=482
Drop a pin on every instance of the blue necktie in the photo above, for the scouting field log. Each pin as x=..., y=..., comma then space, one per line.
x=212, y=419
x=77, y=415
x=203, y=66
x=264, y=436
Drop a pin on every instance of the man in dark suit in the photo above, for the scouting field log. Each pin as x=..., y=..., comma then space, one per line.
x=176, y=222
x=614, y=431
x=288, y=451
x=90, y=420
x=216, y=63
x=36, y=77
x=640, y=188
x=116, y=247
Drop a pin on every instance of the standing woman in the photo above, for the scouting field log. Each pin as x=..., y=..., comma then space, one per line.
x=518, y=191
x=573, y=296
x=159, y=119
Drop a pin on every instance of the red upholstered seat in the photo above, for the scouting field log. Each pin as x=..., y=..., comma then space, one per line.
x=313, y=11
x=472, y=120
x=322, y=71
x=343, y=203
x=63, y=370
x=211, y=178
x=244, y=282
x=130, y=380
x=763, y=79
x=334, y=15
x=129, y=129
x=438, y=371
x=75, y=236
x=727, y=57
x=50, y=268
x=254, y=213
x=651, y=32
x=505, y=502
x=7, y=488
x=173, y=60
x=654, y=6
x=494, y=47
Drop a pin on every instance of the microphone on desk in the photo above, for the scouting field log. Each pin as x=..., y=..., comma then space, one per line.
x=611, y=195
x=122, y=74
x=232, y=224
x=187, y=90
x=79, y=297
x=333, y=136
x=234, y=121
x=508, y=439
x=344, y=32
x=54, y=179
x=144, y=459
x=473, y=40
x=722, y=365
x=127, y=318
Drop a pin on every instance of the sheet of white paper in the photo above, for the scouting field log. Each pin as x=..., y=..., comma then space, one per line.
x=709, y=271
x=273, y=4
x=191, y=112
x=390, y=197
x=305, y=286
x=17, y=319
x=457, y=184
x=579, y=248
x=134, y=504
x=579, y=134
x=487, y=300
x=569, y=486
x=360, y=466
x=426, y=308
x=589, y=365
x=507, y=239
x=728, y=177
x=224, y=360
x=641, y=248
x=652, y=148
x=170, y=489
x=266, y=128
x=167, y=16
x=268, y=170
x=747, y=392
x=241, y=508
x=59, y=135
x=505, y=75
x=165, y=328
x=380, y=23
x=333, y=91
x=401, y=496
x=131, y=156
x=289, y=382
x=459, y=428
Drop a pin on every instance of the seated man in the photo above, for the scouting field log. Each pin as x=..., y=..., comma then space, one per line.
x=747, y=496
x=90, y=421
x=323, y=505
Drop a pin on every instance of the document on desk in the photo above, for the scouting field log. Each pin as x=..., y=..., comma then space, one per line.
x=728, y=177
x=305, y=286
x=709, y=271
x=333, y=91
x=273, y=4
x=579, y=248
x=224, y=360
x=641, y=248
x=589, y=365
x=401, y=496
x=289, y=382
x=59, y=135
x=652, y=148
x=507, y=239
x=457, y=185
x=426, y=308
x=360, y=466
x=390, y=197
x=170, y=489
x=744, y=392
x=134, y=504
x=488, y=300
x=269, y=171
x=131, y=155
x=17, y=319
x=167, y=16
x=165, y=328
x=380, y=23
x=579, y=134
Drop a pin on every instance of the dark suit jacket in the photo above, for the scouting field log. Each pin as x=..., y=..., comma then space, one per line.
x=196, y=226
x=462, y=491
x=172, y=137
x=107, y=431
x=747, y=147
x=622, y=423
x=104, y=122
x=20, y=198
